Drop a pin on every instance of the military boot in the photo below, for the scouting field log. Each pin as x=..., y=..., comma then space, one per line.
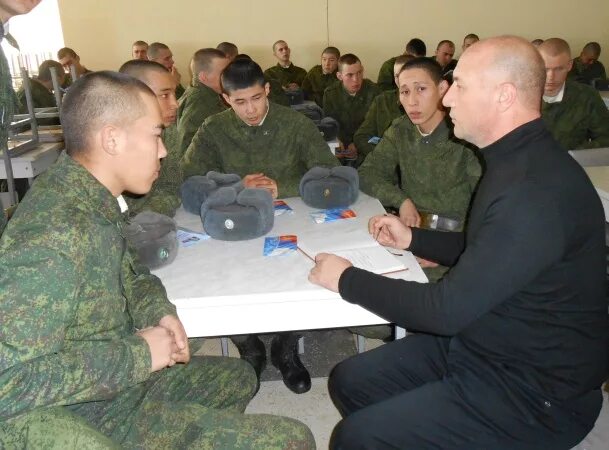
x=251, y=349
x=284, y=356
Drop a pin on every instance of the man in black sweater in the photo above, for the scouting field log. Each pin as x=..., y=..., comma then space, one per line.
x=512, y=344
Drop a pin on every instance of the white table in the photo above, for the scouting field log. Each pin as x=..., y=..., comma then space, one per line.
x=33, y=162
x=225, y=288
x=600, y=179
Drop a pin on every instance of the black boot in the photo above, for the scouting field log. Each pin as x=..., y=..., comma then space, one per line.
x=252, y=350
x=284, y=356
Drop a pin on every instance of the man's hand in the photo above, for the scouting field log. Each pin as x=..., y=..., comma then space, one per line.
x=327, y=271
x=350, y=152
x=174, y=325
x=425, y=263
x=176, y=75
x=259, y=180
x=390, y=231
x=409, y=214
x=292, y=87
x=162, y=346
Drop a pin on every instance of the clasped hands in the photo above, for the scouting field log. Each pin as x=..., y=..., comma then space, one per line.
x=260, y=180
x=387, y=230
x=168, y=343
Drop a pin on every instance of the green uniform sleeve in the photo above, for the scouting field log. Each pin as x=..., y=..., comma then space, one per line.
x=385, y=79
x=367, y=130
x=200, y=157
x=598, y=123
x=38, y=367
x=377, y=172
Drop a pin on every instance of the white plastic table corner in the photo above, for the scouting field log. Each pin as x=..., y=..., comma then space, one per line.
x=224, y=288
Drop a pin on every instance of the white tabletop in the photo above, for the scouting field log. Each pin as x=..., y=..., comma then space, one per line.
x=222, y=288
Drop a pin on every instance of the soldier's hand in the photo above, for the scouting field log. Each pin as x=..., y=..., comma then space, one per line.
x=292, y=86
x=389, y=230
x=327, y=270
x=162, y=346
x=249, y=181
x=261, y=181
x=409, y=214
x=425, y=263
x=173, y=324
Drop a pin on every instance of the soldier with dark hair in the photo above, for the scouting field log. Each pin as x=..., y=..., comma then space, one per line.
x=84, y=325
x=271, y=147
x=586, y=67
x=289, y=75
x=414, y=47
x=469, y=40
x=348, y=102
x=322, y=75
x=68, y=58
x=42, y=88
x=164, y=197
x=229, y=49
x=161, y=53
x=574, y=113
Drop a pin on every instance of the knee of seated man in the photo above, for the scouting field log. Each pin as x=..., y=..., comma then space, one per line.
x=353, y=432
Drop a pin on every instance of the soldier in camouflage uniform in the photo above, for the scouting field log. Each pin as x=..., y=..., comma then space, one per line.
x=84, y=326
x=289, y=75
x=574, y=113
x=271, y=147
x=203, y=98
x=385, y=109
x=164, y=197
x=161, y=53
x=321, y=76
x=348, y=102
x=586, y=67
x=415, y=47
x=42, y=87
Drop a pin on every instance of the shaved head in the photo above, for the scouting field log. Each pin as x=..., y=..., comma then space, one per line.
x=556, y=56
x=555, y=47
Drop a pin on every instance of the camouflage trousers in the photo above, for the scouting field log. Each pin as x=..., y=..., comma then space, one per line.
x=194, y=406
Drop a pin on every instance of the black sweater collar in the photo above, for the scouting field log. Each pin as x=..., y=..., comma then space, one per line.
x=513, y=141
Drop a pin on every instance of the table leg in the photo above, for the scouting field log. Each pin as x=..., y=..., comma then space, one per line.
x=400, y=332
x=361, y=343
x=301, y=345
x=224, y=346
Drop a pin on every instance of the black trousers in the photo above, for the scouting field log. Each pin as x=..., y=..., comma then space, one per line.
x=402, y=396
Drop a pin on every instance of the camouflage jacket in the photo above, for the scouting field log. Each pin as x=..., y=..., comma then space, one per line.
x=285, y=76
x=180, y=91
x=164, y=197
x=585, y=74
x=284, y=147
x=41, y=96
x=8, y=104
x=438, y=172
x=385, y=109
x=580, y=120
x=316, y=82
x=72, y=297
x=276, y=92
x=197, y=104
x=349, y=110
x=385, y=79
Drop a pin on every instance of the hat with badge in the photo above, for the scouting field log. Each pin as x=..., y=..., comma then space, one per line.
x=154, y=237
x=327, y=188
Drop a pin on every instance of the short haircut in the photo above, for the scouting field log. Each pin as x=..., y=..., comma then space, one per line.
x=155, y=48
x=416, y=47
x=44, y=70
x=66, y=51
x=537, y=42
x=555, y=47
x=332, y=51
x=203, y=59
x=140, y=68
x=98, y=99
x=243, y=56
x=403, y=59
x=278, y=42
x=242, y=73
x=228, y=48
x=139, y=44
x=445, y=41
x=471, y=36
x=431, y=66
x=592, y=48
x=348, y=59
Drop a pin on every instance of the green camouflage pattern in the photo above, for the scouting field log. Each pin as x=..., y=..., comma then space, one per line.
x=164, y=196
x=276, y=92
x=349, y=110
x=41, y=97
x=385, y=79
x=286, y=75
x=385, y=108
x=438, y=172
x=586, y=73
x=197, y=104
x=284, y=147
x=316, y=82
x=580, y=120
x=73, y=296
x=8, y=105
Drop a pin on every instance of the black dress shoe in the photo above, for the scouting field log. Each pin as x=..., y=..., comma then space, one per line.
x=251, y=349
x=284, y=356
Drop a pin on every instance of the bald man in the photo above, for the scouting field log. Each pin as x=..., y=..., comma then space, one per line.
x=574, y=113
x=511, y=348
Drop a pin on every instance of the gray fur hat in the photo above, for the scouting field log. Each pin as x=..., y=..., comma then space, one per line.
x=330, y=188
x=195, y=190
x=154, y=237
x=236, y=214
